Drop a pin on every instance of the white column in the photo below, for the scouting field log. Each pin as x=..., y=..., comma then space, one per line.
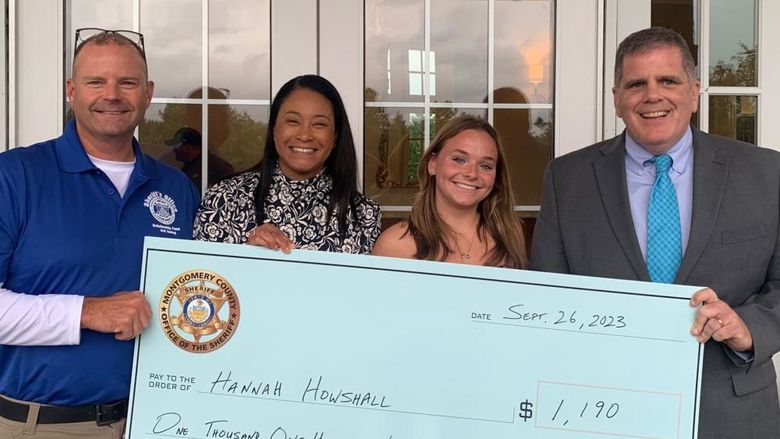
x=293, y=40
x=577, y=75
x=35, y=79
x=341, y=60
x=769, y=65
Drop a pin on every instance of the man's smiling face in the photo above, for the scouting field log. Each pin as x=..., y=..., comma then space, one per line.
x=109, y=92
x=655, y=97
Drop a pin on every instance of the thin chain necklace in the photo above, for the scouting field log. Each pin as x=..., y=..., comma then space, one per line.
x=465, y=256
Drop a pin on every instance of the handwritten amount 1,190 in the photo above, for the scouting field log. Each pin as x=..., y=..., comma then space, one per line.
x=600, y=409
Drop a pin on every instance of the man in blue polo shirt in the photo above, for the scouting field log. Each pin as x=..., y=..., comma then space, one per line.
x=75, y=211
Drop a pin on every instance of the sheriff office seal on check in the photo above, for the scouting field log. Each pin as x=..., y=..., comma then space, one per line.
x=197, y=321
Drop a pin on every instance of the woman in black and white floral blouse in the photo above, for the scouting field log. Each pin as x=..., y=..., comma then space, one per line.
x=303, y=194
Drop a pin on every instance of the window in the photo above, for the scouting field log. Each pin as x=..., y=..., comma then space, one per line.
x=210, y=61
x=427, y=61
x=726, y=46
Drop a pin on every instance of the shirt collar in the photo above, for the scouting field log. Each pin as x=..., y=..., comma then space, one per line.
x=638, y=159
x=73, y=158
x=321, y=179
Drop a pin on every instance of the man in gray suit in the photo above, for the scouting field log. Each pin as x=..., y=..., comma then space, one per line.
x=594, y=221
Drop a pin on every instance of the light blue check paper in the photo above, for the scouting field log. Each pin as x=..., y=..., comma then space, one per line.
x=251, y=343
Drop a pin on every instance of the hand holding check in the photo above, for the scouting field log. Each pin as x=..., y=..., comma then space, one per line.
x=717, y=320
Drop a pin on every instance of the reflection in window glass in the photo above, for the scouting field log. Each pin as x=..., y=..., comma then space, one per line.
x=734, y=117
x=105, y=14
x=240, y=47
x=236, y=138
x=160, y=124
x=733, y=46
x=394, y=137
x=393, y=29
x=395, y=141
x=415, y=73
x=526, y=136
x=239, y=65
x=398, y=113
x=173, y=35
x=440, y=116
x=523, y=55
x=461, y=50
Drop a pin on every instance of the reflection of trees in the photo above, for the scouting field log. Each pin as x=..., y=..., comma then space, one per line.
x=741, y=71
x=243, y=147
x=399, y=142
x=734, y=116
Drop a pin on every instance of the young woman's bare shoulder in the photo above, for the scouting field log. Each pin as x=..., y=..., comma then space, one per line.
x=395, y=242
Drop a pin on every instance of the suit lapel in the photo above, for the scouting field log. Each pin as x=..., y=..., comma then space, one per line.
x=610, y=173
x=709, y=181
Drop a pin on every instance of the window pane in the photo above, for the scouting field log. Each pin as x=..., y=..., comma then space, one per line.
x=394, y=142
x=236, y=134
x=395, y=41
x=245, y=142
x=459, y=34
x=523, y=54
x=734, y=116
x=160, y=124
x=733, y=43
x=240, y=47
x=173, y=34
x=526, y=136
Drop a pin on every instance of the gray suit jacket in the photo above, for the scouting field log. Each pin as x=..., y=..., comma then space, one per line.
x=585, y=227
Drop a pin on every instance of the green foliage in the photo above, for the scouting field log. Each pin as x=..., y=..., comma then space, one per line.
x=740, y=72
x=242, y=138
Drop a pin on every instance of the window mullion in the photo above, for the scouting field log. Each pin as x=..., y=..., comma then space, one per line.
x=491, y=57
x=204, y=144
x=427, y=78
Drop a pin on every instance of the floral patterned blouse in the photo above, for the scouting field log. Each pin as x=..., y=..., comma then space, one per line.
x=297, y=208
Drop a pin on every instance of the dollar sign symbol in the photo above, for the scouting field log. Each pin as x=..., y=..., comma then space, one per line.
x=525, y=410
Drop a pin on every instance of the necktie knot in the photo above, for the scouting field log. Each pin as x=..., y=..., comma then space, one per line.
x=662, y=163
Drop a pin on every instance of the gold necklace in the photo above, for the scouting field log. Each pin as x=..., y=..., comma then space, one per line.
x=466, y=256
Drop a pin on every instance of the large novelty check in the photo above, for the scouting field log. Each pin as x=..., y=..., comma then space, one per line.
x=251, y=343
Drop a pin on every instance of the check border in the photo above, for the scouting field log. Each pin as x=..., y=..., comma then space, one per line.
x=150, y=249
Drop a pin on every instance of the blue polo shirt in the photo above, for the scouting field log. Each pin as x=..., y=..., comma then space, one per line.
x=64, y=229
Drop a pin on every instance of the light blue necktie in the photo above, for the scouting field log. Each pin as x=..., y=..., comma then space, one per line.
x=664, y=245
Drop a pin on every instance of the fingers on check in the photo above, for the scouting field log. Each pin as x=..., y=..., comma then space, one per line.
x=709, y=306
x=716, y=329
x=721, y=329
x=704, y=296
x=269, y=236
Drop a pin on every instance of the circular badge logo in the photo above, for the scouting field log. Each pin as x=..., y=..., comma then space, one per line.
x=193, y=312
x=162, y=207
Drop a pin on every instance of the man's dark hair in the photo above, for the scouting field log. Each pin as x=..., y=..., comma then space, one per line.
x=651, y=38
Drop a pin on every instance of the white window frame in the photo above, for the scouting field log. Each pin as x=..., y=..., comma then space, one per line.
x=307, y=36
x=578, y=75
